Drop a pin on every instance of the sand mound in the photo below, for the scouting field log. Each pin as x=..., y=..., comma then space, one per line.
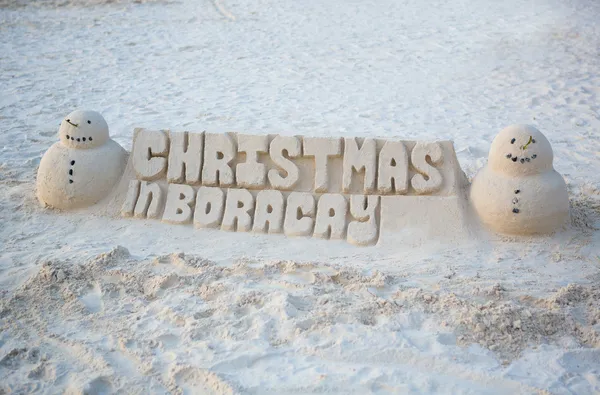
x=585, y=210
x=509, y=326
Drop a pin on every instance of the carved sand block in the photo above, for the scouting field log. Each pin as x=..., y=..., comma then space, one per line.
x=364, y=191
x=435, y=208
x=519, y=192
x=83, y=167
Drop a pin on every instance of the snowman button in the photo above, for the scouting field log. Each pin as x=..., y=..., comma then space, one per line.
x=517, y=191
x=515, y=210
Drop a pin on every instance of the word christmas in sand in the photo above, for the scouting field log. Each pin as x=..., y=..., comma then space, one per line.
x=300, y=186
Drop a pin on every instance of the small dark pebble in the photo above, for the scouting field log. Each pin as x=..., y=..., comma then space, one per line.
x=528, y=160
x=512, y=141
x=72, y=162
x=509, y=156
x=522, y=160
x=83, y=139
x=72, y=138
x=70, y=181
x=515, y=210
x=90, y=139
x=67, y=136
x=533, y=141
x=71, y=172
x=514, y=159
x=78, y=139
x=517, y=191
x=533, y=156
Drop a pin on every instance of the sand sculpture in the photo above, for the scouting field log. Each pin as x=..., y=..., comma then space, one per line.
x=359, y=190
x=519, y=192
x=363, y=190
x=84, y=166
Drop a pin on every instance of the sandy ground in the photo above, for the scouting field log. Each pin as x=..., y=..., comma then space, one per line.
x=97, y=305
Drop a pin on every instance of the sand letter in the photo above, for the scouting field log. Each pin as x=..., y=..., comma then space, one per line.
x=150, y=201
x=238, y=206
x=132, y=196
x=219, y=152
x=392, y=176
x=269, y=212
x=180, y=200
x=210, y=202
x=364, y=230
x=363, y=159
x=331, y=216
x=279, y=149
x=322, y=148
x=299, y=214
x=252, y=173
x=150, y=149
x=429, y=179
x=185, y=157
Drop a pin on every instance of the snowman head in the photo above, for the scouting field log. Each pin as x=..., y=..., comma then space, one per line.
x=83, y=130
x=520, y=150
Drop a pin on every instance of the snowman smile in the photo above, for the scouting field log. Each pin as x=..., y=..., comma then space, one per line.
x=522, y=159
x=71, y=123
x=74, y=138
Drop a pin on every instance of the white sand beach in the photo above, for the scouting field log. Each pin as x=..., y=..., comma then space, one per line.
x=97, y=305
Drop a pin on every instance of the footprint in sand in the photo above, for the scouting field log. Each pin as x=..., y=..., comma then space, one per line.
x=98, y=386
x=157, y=285
x=168, y=341
x=92, y=300
x=193, y=380
x=43, y=371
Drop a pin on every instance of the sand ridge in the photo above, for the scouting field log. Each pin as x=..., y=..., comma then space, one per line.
x=176, y=323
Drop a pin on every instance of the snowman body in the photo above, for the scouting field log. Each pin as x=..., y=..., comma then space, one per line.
x=519, y=192
x=83, y=167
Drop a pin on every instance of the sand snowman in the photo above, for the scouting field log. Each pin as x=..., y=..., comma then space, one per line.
x=84, y=166
x=519, y=192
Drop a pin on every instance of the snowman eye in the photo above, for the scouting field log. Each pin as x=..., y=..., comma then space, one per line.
x=89, y=121
x=512, y=141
